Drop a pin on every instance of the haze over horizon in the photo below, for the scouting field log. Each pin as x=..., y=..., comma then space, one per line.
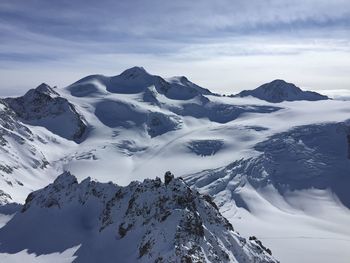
x=226, y=46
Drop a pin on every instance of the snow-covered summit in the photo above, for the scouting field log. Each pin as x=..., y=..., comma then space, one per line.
x=43, y=88
x=150, y=221
x=43, y=106
x=135, y=72
x=137, y=80
x=184, y=81
x=279, y=90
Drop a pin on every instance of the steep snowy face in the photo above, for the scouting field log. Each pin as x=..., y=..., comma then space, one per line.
x=44, y=107
x=143, y=222
x=279, y=90
x=306, y=157
x=18, y=151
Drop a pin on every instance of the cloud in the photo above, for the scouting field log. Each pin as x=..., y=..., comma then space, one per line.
x=178, y=21
x=338, y=94
x=85, y=34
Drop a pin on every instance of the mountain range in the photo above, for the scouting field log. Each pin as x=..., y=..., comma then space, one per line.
x=273, y=172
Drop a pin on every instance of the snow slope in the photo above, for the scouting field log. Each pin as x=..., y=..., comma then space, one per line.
x=142, y=125
x=279, y=90
x=300, y=178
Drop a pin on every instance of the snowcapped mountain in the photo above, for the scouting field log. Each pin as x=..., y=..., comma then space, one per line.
x=279, y=90
x=43, y=106
x=142, y=222
x=49, y=129
x=136, y=80
x=24, y=143
x=266, y=166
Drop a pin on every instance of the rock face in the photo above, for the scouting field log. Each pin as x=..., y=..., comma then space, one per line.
x=143, y=222
x=43, y=106
x=279, y=90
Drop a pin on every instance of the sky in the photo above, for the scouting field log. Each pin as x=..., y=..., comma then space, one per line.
x=223, y=45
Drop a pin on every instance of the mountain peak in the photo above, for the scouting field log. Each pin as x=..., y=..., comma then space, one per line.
x=279, y=84
x=43, y=88
x=134, y=72
x=280, y=81
x=279, y=90
x=43, y=106
x=65, y=178
x=183, y=79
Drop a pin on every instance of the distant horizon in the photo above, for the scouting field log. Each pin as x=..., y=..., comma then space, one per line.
x=332, y=93
x=225, y=46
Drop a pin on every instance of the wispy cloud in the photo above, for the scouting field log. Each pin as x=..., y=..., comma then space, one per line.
x=57, y=34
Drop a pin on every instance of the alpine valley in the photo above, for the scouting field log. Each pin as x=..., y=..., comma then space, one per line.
x=261, y=176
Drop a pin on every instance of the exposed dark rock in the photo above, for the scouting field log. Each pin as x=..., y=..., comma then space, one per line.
x=168, y=177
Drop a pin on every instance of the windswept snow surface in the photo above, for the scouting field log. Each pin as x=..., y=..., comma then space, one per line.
x=290, y=190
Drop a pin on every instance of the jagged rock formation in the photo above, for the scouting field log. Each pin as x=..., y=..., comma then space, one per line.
x=279, y=90
x=143, y=222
